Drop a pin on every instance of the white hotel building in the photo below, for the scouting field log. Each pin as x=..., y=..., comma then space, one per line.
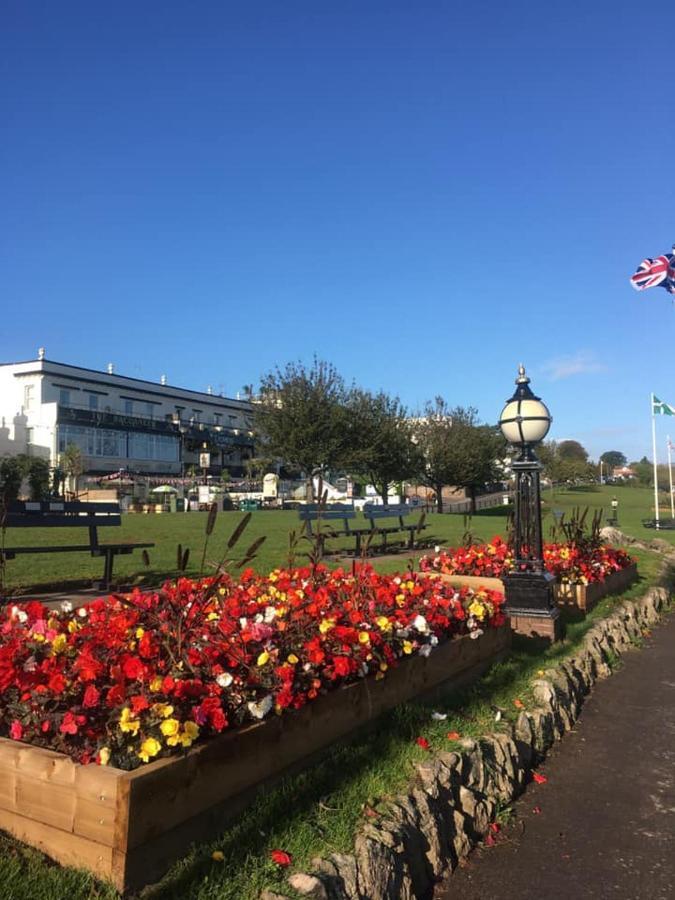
x=119, y=422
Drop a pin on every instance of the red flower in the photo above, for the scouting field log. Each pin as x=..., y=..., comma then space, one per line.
x=16, y=730
x=91, y=697
x=423, y=743
x=539, y=779
x=69, y=724
x=281, y=858
x=133, y=668
x=57, y=683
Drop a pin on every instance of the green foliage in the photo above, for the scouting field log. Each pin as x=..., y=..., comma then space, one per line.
x=382, y=448
x=302, y=416
x=566, y=462
x=455, y=449
x=613, y=459
x=72, y=464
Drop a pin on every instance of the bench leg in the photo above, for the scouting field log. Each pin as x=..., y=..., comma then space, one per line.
x=411, y=539
x=357, y=546
x=108, y=569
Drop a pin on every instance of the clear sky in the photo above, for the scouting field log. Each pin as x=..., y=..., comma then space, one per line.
x=423, y=193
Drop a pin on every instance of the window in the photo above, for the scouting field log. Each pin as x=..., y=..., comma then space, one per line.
x=129, y=407
x=64, y=397
x=28, y=396
x=93, y=401
x=197, y=414
x=153, y=446
x=150, y=409
x=93, y=441
x=29, y=437
x=216, y=418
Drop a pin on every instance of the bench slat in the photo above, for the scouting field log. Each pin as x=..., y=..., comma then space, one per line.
x=58, y=520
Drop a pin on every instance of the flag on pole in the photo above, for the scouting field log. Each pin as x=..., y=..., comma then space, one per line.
x=659, y=408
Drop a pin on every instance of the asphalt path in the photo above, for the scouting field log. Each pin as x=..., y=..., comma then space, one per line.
x=603, y=825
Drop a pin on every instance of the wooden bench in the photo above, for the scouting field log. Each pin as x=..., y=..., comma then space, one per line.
x=69, y=514
x=335, y=512
x=375, y=513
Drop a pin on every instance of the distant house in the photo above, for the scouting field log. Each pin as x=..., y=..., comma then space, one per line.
x=623, y=473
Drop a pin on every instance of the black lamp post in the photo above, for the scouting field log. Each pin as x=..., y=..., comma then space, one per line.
x=530, y=603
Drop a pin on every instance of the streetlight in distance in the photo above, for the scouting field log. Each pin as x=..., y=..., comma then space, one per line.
x=530, y=604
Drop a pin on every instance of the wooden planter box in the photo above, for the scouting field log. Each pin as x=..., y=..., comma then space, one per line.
x=568, y=596
x=586, y=596
x=128, y=827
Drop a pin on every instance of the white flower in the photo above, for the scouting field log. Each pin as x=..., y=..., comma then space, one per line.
x=224, y=680
x=19, y=614
x=425, y=650
x=82, y=612
x=243, y=622
x=270, y=614
x=397, y=580
x=476, y=634
x=439, y=717
x=259, y=619
x=433, y=640
x=307, y=667
x=437, y=549
x=420, y=624
x=260, y=709
x=66, y=606
x=363, y=671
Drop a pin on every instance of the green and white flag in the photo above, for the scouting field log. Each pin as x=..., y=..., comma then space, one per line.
x=659, y=408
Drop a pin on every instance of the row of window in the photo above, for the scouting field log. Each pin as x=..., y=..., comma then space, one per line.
x=137, y=407
x=120, y=444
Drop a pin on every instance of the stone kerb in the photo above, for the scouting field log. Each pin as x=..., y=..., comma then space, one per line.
x=450, y=803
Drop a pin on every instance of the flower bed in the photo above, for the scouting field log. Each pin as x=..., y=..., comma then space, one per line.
x=584, y=574
x=569, y=563
x=132, y=680
x=128, y=679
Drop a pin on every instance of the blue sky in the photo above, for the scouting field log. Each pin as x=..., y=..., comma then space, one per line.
x=423, y=193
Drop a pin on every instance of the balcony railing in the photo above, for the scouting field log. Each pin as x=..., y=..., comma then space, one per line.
x=109, y=417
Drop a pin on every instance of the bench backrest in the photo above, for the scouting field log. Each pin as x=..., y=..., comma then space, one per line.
x=61, y=514
x=313, y=512
x=395, y=510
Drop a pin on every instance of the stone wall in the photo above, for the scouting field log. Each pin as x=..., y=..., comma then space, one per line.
x=454, y=796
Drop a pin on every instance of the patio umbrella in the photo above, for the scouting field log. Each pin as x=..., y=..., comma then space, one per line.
x=164, y=489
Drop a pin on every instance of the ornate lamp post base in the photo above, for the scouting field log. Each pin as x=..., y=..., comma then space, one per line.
x=530, y=605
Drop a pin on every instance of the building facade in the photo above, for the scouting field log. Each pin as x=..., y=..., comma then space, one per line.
x=119, y=422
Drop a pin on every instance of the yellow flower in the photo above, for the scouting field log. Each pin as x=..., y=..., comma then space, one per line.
x=410, y=585
x=189, y=734
x=218, y=856
x=149, y=747
x=213, y=615
x=73, y=626
x=156, y=684
x=383, y=623
x=364, y=637
x=383, y=667
x=162, y=709
x=104, y=756
x=407, y=647
x=400, y=599
x=477, y=609
x=128, y=723
x=140, y=632
x=292, y=659
x=59, y=643
x=263, y=658
x=326, y=625
x=169, y=727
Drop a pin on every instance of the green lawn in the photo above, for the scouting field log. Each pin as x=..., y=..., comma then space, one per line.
x=36, y=571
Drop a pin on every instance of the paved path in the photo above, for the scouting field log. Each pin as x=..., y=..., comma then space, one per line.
x=607, y=823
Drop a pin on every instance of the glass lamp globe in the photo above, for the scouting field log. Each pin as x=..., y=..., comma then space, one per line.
x=525, y=420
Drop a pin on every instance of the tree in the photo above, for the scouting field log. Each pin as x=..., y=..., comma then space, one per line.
x=72, y=465
x=566, y=461
x=38, y=474
x=572, y=450
x=301, y=417
x=382, y=448
x=613, y=459
x=455, y=450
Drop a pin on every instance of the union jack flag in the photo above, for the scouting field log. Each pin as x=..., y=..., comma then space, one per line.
x=655, y=272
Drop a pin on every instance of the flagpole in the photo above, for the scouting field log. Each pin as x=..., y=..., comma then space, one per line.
x=656, y=480
x=670, y=479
